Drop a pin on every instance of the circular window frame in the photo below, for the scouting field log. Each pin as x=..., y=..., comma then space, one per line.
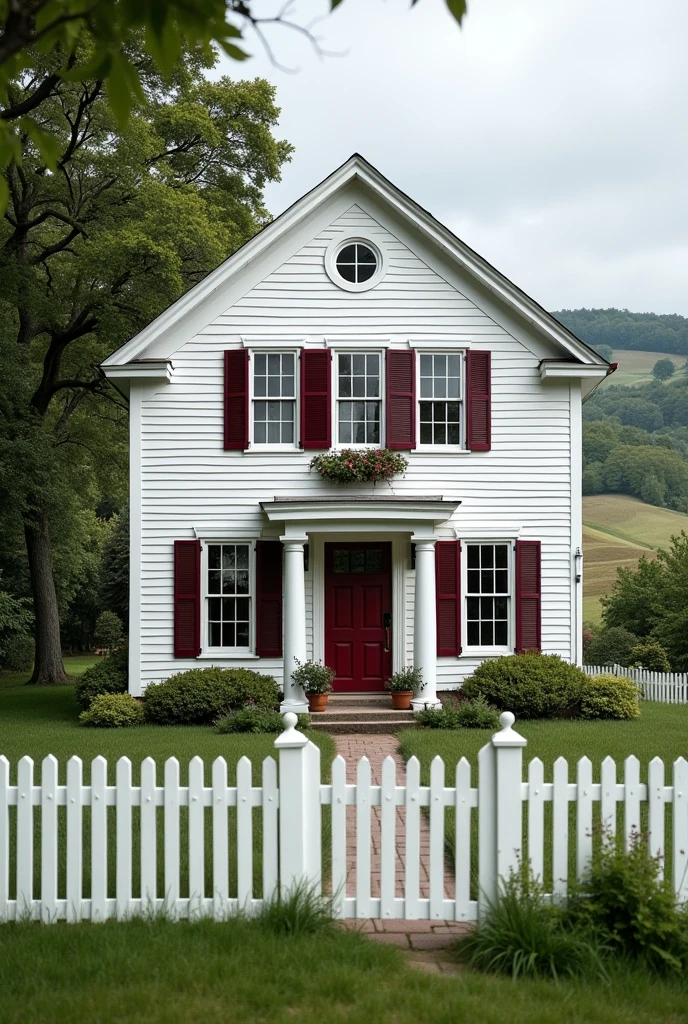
x=333, y=250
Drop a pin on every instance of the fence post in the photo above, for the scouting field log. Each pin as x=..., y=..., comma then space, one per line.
x=508, y=776
x=299, y=809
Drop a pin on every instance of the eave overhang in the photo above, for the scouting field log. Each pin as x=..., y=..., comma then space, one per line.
x=360, y=514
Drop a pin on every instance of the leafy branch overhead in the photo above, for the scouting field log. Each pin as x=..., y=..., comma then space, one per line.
x=98, y=41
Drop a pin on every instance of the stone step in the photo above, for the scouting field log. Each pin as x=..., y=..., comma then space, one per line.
x=355, y=725
x=368, y=715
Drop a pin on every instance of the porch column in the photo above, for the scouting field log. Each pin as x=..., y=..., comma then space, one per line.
x=294, y=622
x=425, y=623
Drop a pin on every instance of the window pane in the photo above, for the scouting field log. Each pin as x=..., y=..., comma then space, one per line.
x=259, y=386
x=288, y=364
x=215, y=634
x=242, y=608
x=440, y=387
x=260, y=433
x=486, y=556
x=228, y=583
x=473, y=556
x=365, y=255
x=273, y=387
x=453, y=366
x=486, y=608
x=344, y=433
x=453, y=436
x=214, y=608
x=426, y=387
x=473, y=631
x=288, y=387
x=214, y=556
x=426, y=433
x=347, y=271
x=228, y=556
x=261, y=363
x=273, y=433
x=473, y=581
x=345, y=364
x=228, y=634
x=341, y=560
x=358, y=561
x=344, y=387
x=358, y=362
x=287, y=433
x=242, y=556
x=440, y=433
x=359, y=432
x=347, y=255
x=440, y=365
x=374, y=560
x=366, y=271
x=473, y=607
x=372, y=364
x=242, y=634
x=501, y=634
x=214, y=581
x=359, y=387
x=486, y=581
x=453, y=387
x=500, y=607
x=242, y=582
x=501, y=556
x=501, y=581
x=487, y=634
x=274, y=364
x=426, y=412
x=228, y=608
x=426, y=366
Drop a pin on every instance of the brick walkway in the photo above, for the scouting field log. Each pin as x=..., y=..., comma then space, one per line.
x=421, y=939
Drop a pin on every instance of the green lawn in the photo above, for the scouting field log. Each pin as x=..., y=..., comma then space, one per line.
x=238, y=973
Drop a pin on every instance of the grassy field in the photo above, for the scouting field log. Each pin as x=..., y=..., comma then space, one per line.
x=617, y=531
x=636, y=367
x=237, y=972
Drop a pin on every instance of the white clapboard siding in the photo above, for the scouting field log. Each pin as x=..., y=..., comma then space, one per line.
x=188, y=483
x=665, y=687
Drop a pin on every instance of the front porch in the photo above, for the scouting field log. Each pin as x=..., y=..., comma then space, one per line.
x=359, y=556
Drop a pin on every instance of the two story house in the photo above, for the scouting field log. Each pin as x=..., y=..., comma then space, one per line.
x=354, y=320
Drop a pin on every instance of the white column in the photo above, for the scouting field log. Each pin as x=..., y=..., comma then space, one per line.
x=425, y=623
x=294, y=622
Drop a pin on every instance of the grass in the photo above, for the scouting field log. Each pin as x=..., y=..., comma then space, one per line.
x=617, y=531
x=636, y=367
x=239, y=971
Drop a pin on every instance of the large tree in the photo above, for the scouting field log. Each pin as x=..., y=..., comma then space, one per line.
x=91, y=252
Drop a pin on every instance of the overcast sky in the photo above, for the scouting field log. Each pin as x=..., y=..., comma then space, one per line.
x=552, y=136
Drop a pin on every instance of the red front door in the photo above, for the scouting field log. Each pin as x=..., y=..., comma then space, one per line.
x=358, y=615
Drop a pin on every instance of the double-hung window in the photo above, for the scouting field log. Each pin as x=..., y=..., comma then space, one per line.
x=274, y=398
x=439, y=404
x=359, y=398
x=488, y=595
x=228, y=596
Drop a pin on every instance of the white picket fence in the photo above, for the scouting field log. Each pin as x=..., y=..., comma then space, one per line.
x=137, y=862
x=667, y=687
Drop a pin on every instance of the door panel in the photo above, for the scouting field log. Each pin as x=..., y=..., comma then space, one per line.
x=358, y=594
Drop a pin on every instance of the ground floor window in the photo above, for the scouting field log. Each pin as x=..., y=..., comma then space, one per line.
x=488, y=594
x=228, y=595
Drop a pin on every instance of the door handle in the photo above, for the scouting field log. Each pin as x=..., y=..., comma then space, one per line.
x=387, y=625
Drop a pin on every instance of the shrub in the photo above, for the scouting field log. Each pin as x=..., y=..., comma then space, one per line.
x=108, y=676
x=405, y=679
x=313, y=676
x=610, y=697
x=474, y=713
x=18, y=652
x=611, y=646
x=439, y=718
x=257, y=719
x=202, y=696
x=112, y=711
x=522, y=935
x=108, y=630
x=530, y=685
x=651, y=655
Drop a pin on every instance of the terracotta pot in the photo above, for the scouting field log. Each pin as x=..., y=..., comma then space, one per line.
x=401, y=699
x=317, y=701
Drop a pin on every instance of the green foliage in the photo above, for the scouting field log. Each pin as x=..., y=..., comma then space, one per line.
x=313, y=676
x=623, y=898
x=18, y=652
x=475, y=713
x=257, y=720
x=610, y=646
x=523, y=936
x=302, y=911
x=605, y=351
x=663, y=369
x=16, y=641
x=407, y=678
x=108, y=629
x=202, y=696
x=110, y=675
x=112, y=711
x=609, y=696
x=632, y=601
x=620, y=328
x=530, y=685
x=114, y=569
x=650, y=655
x=350, y=465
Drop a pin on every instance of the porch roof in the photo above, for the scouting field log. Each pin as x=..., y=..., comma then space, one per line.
x=361, y=512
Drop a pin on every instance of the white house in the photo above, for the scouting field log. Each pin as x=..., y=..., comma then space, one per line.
x=355, y=319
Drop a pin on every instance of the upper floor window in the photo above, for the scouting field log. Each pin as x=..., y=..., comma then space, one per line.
x=439, y=405
x=359, y=398
x=274, y=398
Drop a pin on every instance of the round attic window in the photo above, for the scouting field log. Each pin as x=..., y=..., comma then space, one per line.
x=354, y=264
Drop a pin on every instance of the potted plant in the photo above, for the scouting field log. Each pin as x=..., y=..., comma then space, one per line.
x=402, y=686
x=316, y=680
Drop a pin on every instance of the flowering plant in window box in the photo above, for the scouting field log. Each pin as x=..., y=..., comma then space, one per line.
x=316, y=680
x=365, y=465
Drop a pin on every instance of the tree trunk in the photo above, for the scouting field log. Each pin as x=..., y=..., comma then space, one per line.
x=48, y=668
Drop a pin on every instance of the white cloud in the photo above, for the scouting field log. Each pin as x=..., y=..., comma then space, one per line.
x=552, y=137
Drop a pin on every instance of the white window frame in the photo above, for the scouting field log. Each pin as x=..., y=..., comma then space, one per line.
x=219, y=652
x=358, y=351
x=271, y=446
x=340, y=242
x=496, y=649
x=441, y=350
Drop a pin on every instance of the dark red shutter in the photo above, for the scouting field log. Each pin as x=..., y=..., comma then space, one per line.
x=479, y=401
x=268, y=598
x=187, y=598
x=448, y=587
x=528, y=596
x=316, y=406
x=236, y=399
x=401, y=399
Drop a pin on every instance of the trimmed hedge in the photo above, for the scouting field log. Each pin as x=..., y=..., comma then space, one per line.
x=111, y=675
x=202, y=696
x=529, y=685
x=112, y=711
x=474, y=713
x=257, y=720
x=610, y=697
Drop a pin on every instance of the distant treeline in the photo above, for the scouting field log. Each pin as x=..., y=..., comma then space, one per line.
x=618, y=328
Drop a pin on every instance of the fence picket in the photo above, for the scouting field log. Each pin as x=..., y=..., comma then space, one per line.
x=123, y=838
x=388, y=813
x=270, y=834
x=196, y=837
x=148, y=837
x=560, y=828
x=363, y=838
x=25, y=837
x=583, y=817
x=98, y=839
x=244, y=834
x=75, y=838
x=436, y=866
x=680, y=829
x=655, y=813
x=608, y=797
x=4, y=838
x=220, y=839
x=462, y=841
x=412, y=872
x=536, y=818
x=631, y=800
x=664, y=687
x=338, y=835
x=171, y=835
x=49, y=839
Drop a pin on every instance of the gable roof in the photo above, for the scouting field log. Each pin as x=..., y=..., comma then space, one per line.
x=356, y=168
